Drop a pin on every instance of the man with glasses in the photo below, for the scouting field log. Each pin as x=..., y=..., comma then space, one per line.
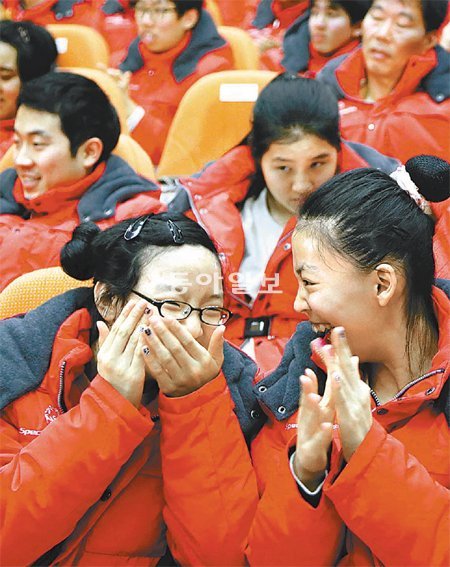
x=178, y=43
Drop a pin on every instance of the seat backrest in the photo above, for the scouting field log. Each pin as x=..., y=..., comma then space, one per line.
x=109, y=86
x=79, y=46
x=214, y=11
x=214, y=115
x=130, y=150
x=30, y=290
x=245, y=52
x=127, y=148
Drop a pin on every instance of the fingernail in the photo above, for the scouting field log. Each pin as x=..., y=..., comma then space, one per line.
x=147, y=331
x=336, y=377
x=141, y=328
x=341, y=333
x=148, y=311
x=146, y=351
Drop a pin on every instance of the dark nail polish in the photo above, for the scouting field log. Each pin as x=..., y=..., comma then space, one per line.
x=147, y=331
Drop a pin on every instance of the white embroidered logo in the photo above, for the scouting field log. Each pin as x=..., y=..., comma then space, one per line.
x=24, y=431
x=291, y=426
x=51, y=413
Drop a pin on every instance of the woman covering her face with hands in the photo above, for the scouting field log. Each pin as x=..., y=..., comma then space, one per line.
x=81, y=419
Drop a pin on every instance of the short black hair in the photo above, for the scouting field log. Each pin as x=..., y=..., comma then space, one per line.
x=182, y=6
x=356, y=9
x=434, y=13
x=83, y=108
x=35, y=46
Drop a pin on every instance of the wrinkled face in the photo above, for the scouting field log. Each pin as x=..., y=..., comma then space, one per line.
x=332, y=292
x=42, y=153
x=292, y=171
x=330, y=26
x=186, y=273
x=9, y=81
x=159, y=26
x=393, y=31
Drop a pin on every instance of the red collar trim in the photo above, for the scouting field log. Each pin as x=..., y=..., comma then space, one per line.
x=55, y=199
x=352, y=72
x=151, y=59
x=317, y=60
x=287, y=16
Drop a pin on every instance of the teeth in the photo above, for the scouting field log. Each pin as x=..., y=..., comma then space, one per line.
x=320, y=328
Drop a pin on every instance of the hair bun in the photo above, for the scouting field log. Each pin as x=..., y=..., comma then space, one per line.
x=77, y=257
x=431, y=175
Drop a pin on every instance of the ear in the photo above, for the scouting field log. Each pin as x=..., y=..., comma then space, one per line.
x=105, y=306
x=91, y=150
x=356, y=31
x=189, y=19
x=386, y=282
x=430, y=40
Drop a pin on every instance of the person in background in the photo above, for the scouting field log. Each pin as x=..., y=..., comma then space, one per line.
x=27, y=51
x=247, y=201
x=111, y=18
x=397, y=82
x=273, y=20
x=177, y=44
x=64, y=172
x=334, y=29
x=80, y=409
x=326, y=30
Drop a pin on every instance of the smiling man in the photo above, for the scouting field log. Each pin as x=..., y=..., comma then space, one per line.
x=64, y=173
x=395, y=90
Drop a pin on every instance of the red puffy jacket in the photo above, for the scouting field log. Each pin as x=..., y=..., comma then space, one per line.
x=418, y=105
x=213, y=197
x=32, y=232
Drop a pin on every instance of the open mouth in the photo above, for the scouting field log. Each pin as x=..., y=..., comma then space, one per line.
x=321, y=328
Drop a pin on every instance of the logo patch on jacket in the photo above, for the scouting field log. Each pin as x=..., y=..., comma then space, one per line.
x=51, y=413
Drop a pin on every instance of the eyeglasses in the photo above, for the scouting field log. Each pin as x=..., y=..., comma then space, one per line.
x=156, y=13
x=180, y=310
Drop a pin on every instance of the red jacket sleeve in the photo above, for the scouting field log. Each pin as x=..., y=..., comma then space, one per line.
x=49, y=484
x=209, y=484
x=388, y=499
x=287, y=530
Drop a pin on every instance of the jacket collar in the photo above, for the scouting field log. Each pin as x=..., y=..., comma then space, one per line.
x=426, y=73
x=27, y=342
x=204, y=39
x=279, y=391
x=118, y=183
x=269, y=10
x=57, y=198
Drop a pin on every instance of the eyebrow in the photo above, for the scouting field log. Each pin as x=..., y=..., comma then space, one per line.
x=320, y=156
x=308, y=267
x=35, y=133
x=163, y=287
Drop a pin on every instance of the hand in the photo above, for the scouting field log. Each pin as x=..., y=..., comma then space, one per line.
x=120, y=360
x=351, y=395
x=177, y=361
x=315, y=423
x=122, y=80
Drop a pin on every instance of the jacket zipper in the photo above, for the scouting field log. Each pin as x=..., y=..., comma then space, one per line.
x=61, y=404
x=407, y=387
